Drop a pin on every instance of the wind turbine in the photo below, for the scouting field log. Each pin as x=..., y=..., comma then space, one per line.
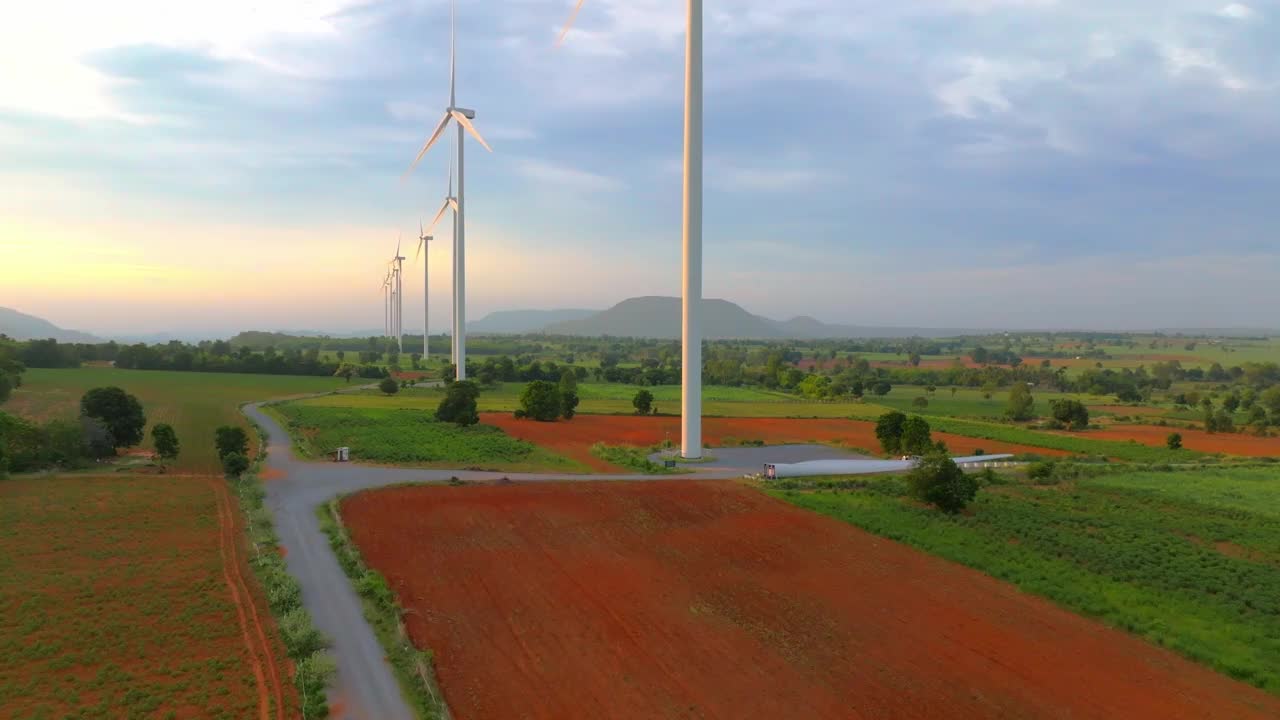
x=462, y=117
x=691, y=338
x=398, y=261
x=451, y=202
x=423, y=244
x=386, y=305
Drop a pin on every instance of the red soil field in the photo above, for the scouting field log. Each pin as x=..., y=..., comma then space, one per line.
x=575, y=437
x=1242, y=444
x=710, y=600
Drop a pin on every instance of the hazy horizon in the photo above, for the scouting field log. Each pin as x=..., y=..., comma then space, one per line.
x=958, y=163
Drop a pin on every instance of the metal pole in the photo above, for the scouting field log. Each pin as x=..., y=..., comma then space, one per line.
x=691, y=340
x=460, y=308
x=426, y=300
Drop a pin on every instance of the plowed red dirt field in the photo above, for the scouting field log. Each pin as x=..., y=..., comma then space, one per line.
x=1244, y=444
x=710, y=600
x=574, y=438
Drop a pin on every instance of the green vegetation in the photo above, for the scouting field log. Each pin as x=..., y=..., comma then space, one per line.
x=630, y=456
x=459, y=404
x=193, y=403
x=937, y=480
x=412, y=437
x=165, y=441
x=389, y=386
x=642, y=402
x=305, y=644
x=413, y=667
x=1081, y=444
x=1190, y=559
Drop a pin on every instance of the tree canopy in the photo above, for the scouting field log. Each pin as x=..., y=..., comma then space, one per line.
x=119, y=411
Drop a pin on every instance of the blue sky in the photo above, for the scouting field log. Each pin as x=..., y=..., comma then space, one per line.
x=1018, y=163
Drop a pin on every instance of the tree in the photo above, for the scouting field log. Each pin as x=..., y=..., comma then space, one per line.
x=914, y=359
x=345, y=370
x=916, y=436
x=119, y=411
x=231, y=440
x=921, y=402
x=165, y=441
x=1174, y=441
x=234, y=464
x=881, y=388
x=1021, y=405
x=389, y=386
x=541, y=401
x=459, y=404
x=6, y=387
x=1071, y=413
x=889, y=432
x=937, y=480
x=96, y=436
x=568, y=394
x=643, y=402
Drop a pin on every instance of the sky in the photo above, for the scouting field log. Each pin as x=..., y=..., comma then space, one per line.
x=212, y=167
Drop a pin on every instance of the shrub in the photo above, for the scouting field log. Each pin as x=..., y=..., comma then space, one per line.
x=541, y=401
x=389, y=386
x=234, y=464
x=459, y=404
x=231, y=439
x=1041, y=473
x=1071, y=413
x=119, y=411
x=1174, y=441
x=916, y=436
x=165, y=441
x=643, y=402
x=939, y=481
x=889, y=432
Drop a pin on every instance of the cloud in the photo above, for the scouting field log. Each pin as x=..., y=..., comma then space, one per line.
x=550, y=175
x=1236, y=11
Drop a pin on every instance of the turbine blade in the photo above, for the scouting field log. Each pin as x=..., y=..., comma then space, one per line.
x=444, y=122
x=569, y=23
x=464, y=122
x=453, y=55
x=439, y=215
x=453, y=203
x=419, y=251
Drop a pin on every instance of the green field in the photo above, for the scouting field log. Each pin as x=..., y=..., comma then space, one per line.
x=194, y=403
x=611, y=399
x=1189, y=560
x=412, y=437
x=1079, y=443
x=969, y=402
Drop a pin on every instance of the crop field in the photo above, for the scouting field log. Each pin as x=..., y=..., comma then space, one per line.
x=575, y=437
x=538, y=601
x=967, y=402
x=1243, y=444
x=412, y=437
x=1087, y=442
x=606, y=399
x=126, y=597
x=194, y=403
x=1189, y=560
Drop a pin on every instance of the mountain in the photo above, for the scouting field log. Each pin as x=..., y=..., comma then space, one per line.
x=21, y=326
x=518, y=322
x=659, y=317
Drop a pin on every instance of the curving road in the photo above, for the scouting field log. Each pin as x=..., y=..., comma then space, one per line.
x=365, y=687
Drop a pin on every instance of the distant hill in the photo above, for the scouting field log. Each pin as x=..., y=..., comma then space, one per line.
x=21, y=326
x=659, y=317
x=519, y=322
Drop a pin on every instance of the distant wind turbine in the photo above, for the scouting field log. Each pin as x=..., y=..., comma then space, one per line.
x=691, y=338
x=398, y=262
x=386, y=305
x=451, y=203
x=424, y=249
x=462, y=117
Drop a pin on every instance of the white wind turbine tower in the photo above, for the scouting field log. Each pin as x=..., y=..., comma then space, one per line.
x=398, y=310
x=691, y=339
x=386, y=305
x=424, y=241
x=451, y=202
x=462, y=117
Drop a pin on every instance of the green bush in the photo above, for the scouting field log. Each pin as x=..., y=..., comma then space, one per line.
x=541, y=401
x=937, y=480
x=389, y=385
x=459, y=404
x=234, y=464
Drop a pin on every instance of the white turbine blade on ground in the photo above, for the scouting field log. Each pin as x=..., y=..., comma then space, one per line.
x=569, y=23
x=444, y=122
x=464, y=122
x=445, y=206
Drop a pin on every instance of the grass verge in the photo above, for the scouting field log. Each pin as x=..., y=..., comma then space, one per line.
x=1084, y=445
x=413, y=667
x=305, y=644
x=630, y=456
